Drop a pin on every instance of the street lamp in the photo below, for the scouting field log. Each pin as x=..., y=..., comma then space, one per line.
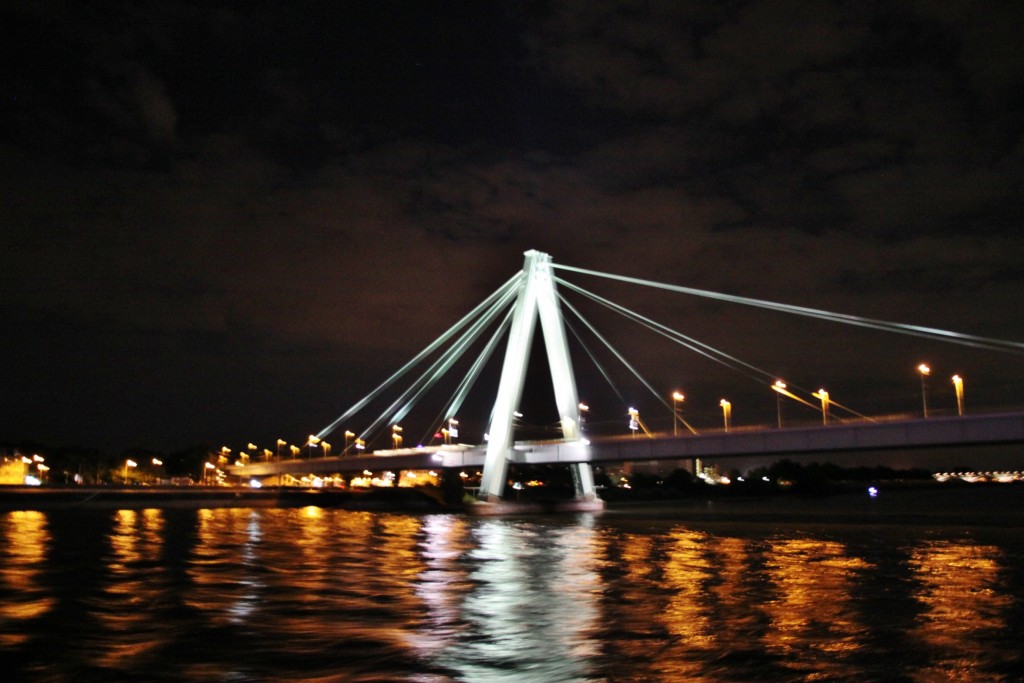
x=127, y=464
x=726, y=412
x=327, y=449
x=295, y=450
x=313, y=441
x=453, y=428
x=779, y=386
x=958, y=384
x=348, y=436
x=396, y=436
x=207, y=466
x=823, y=395
x=925, y=371
x=582, y=408
x=676, y=398
x=157, y=462
x=280, y=442
x=39, y=460
x=634, y=420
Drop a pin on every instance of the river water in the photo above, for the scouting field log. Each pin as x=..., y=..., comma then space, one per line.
x=806, y=593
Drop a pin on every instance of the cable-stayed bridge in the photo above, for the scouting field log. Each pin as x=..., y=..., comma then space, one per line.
x=512, y=312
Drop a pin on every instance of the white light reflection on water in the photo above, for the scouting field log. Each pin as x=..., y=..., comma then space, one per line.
x=512, y=601
x=225, y=568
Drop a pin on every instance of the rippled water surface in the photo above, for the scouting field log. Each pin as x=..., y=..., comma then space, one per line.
x=331, y=595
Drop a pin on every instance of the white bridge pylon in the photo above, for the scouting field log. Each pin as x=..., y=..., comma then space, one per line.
x=536, y=299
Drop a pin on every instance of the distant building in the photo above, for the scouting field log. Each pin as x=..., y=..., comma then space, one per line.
x=13, y=470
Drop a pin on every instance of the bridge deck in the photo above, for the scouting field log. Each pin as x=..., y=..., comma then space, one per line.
x=973, y=430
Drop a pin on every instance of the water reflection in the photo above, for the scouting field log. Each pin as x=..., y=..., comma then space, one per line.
x=134, y=584
x=22, y=561
x=251, y=595
x=966, y=603
x=814, y=624
x=531, y=603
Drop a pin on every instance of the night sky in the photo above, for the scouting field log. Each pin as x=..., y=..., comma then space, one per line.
x=226, y=222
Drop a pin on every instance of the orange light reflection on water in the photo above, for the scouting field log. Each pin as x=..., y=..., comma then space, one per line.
x=964, y=605
x=26, y=545
x=814, y=625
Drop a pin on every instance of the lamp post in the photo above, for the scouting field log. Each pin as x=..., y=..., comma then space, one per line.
x=778, y=387
x=726, y=412
x=396, y=436
x=39, y=460
x=129, y=463
x=453, y=429
x=313, y=441
x=634, y=420
x=348, y=437
x=280, y=442
x=958, y=385
x=207, y=466
x=327, y=449
x=925, y=371
x=823, y=395
x=582, y=408
x=676, y=399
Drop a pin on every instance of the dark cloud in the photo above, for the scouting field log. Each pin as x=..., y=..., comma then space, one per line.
x=263, y=210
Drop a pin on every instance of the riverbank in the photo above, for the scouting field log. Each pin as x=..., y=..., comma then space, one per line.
x=193, y=497
x=988, y=504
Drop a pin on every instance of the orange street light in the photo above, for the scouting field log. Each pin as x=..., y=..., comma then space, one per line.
x=958, y=385
x=127, y=464
x=676, y=398
x=823, y=395
x=779, y=387
x=726, y=412
x=925, y=371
